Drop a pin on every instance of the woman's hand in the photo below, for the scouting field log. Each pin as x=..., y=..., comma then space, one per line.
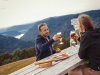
x=74, y=36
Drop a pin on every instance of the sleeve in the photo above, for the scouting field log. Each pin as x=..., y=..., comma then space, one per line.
x=84, y=44
x=42, y=47
x=54, y=51
x=78, y=39
x=81, y=33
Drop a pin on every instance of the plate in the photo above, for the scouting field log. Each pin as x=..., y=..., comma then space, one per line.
x=61, y=56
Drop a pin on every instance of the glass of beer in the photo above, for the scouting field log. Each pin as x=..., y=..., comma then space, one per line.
x=72, y=37
x=72, y=34
x=72, y=42
x=60, y=38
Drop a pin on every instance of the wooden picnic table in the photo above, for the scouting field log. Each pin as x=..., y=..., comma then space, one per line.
x=60, y=67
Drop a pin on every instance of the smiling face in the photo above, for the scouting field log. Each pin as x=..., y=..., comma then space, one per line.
x=44, y=31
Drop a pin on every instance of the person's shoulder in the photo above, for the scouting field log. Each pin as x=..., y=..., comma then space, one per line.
x=38, y=37
x=86, y=35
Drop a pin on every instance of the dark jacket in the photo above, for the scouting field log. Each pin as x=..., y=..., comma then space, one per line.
x=90, y=48
x=43, y=47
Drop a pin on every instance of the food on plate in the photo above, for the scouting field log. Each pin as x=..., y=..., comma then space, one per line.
x=60, y=56
x=54, y=58
x=64, y=55
x=44, y=61
x=44, y=65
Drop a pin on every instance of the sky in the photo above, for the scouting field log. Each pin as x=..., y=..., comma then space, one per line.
x=16, y=12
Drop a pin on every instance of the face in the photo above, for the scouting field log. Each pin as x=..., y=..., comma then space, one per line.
x=44, y=31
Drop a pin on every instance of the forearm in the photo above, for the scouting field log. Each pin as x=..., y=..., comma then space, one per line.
x=42, y=47
x=78, y=39
x=54, y=51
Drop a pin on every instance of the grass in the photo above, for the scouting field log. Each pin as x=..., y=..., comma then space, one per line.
x=14, y=66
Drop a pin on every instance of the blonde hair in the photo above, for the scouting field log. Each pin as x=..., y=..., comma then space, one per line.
x=40, y=25
x=86, y=21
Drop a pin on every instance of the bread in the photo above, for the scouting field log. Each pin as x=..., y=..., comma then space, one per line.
x=44, y=65
x=44, y=61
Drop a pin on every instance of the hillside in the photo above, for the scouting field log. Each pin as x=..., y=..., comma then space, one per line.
x=2, y=30
x=11, y=67
x=60, y=23
x=29, y=32
x=16, y=30
x=19, y=27
x=11, y=33
x=10, y=43
x=97, y=22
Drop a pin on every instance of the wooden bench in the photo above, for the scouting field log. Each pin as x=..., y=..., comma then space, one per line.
x=58, y=68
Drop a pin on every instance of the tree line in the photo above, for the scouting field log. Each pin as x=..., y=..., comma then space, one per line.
x=16, y=55
x=19, y=54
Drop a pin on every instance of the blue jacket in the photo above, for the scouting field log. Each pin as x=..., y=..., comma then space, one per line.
x=43, y=47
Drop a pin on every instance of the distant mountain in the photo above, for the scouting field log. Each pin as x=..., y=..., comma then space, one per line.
x=55, y=25
x=60, y=24
x=21, y=28
x=2, y=30
x=29, y=32
x=11, y=33
x=15, y=30
x=10, y=43
x=97, y=22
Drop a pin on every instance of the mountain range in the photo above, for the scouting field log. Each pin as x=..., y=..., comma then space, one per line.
x=60, y=24
x=16, y=30
x=29, y=32
x=10, y=43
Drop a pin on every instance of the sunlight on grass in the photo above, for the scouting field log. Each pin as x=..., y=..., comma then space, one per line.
x=14, y=66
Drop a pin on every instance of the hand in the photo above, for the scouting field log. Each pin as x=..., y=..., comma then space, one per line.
x=58, y=50
x=56, y=37
x=75, y=36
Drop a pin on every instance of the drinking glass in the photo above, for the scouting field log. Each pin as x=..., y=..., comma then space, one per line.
x=60, y=38
x=72, y=41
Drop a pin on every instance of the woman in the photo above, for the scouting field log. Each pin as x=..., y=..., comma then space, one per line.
x=89, y=47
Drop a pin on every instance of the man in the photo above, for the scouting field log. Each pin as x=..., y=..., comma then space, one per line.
x=43, y=43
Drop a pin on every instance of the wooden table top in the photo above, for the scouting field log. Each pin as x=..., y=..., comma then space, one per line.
x=60, y=67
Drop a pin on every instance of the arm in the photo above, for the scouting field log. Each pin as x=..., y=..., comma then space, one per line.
x=42, y=47
x=79, y=38
x=84, y=44
x=54, y=51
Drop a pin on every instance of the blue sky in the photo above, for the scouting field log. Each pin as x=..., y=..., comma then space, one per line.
x=14, y=12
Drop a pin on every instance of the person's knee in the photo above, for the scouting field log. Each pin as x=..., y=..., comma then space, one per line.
x=76, y=71
x=73, y=73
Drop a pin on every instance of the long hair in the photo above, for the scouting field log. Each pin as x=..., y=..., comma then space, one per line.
x=86, y=21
